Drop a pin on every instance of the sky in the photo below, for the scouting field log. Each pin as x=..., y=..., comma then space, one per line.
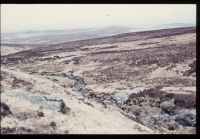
x=22, y=17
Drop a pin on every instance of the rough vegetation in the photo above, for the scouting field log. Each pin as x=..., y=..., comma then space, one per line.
x=145, y=82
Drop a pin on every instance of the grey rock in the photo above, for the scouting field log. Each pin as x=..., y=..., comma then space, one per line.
x=186, y=118
x=168, y=107
x=79, y=86
x=147, y=101
x=147, y=120
x=38, y=99
x=121, y=97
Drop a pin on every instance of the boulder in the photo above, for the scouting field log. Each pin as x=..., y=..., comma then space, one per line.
x=79, y=86
x=168, y=107
x=147, y=120
x=186, y=117
x=121, y=97
x=42, y=101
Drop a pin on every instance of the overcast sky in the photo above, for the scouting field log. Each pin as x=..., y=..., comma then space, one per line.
x=20, y=17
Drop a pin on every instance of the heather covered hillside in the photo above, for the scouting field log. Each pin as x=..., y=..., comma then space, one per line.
x=131, y=83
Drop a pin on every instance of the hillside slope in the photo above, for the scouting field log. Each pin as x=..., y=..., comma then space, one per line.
x=134, y=83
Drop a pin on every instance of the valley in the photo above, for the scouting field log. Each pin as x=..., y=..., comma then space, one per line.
x=128, y=83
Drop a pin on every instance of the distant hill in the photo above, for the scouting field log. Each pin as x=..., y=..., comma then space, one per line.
x=174, y=25
x=60, y=36
x=19, y=41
